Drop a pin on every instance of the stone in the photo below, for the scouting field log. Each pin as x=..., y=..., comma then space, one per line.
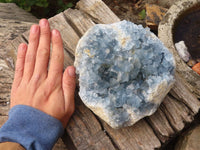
x=198, y=60
x=154, y=15
x=196, y=68
x=183, y=51
x=191, y=62
x=124, y=72
x=189, y=141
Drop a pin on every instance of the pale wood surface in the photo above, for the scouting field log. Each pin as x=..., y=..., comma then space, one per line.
x=11, y=11
x=87, y=131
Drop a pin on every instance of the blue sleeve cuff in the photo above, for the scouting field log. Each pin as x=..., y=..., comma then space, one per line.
x=32, y=128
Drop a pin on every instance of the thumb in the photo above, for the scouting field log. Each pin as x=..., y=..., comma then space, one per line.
x=69, y=85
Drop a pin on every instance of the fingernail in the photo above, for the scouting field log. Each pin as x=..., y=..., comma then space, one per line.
x=55, y=32
x=34, y=29
x=43, y=22
x=71, y=72
x=22, y=46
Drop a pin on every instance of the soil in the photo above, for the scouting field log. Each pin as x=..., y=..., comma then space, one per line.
x=127, y=9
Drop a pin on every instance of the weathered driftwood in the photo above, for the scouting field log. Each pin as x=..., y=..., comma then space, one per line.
x=6, y=77
x=87, y=131
x=98, y=11
x=11, y=11
x=79, y=20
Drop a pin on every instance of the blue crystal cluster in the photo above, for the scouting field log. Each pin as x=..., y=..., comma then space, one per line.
x=124, y=72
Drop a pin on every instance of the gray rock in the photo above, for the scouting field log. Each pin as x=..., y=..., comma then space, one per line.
x=183, y=51
x=124, y=72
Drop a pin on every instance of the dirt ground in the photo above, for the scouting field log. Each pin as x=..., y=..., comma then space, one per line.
x=127, y=9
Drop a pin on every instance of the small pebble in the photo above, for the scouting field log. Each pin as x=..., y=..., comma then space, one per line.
x=191, y=62
x=196, y=68
x=183, y=51
x=198, y=60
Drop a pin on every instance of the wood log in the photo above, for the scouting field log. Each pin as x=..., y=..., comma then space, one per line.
x=3, y=120
x=85, y=130
x=11, y=11
x=79, y=20
x=60, y=145
x=177, y=113
x=69, y=36
x=161, y=125
x=6, y=77
x=139, y=136
x=10, y=29
x=98, y=11
x=182, y=93
x=11, y=48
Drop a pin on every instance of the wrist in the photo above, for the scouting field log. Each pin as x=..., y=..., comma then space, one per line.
x=31, y=127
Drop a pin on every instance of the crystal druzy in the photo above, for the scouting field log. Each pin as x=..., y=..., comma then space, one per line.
x=124, y=72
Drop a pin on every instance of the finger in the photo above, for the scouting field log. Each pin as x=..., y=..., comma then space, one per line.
x=19, y=67
x=31, y=52
x=57, y=57
x=69, y=85
x=42, y=58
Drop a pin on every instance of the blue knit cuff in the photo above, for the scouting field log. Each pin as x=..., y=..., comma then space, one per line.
x=32, y=128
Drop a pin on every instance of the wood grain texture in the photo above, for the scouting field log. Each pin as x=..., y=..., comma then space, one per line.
x=79, y=20
x=11, y=11
x=10, y=29
x=98, y=11
x=177, y=113
x=60, y=145
x=85, y=130
x=140, y=136
x=183, y=94
x=11, y=48
x=6, y=78
x=69, y=36
x=3, y=120
x=161, y=126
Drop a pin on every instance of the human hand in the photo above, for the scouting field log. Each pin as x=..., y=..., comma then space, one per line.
x=50, y=91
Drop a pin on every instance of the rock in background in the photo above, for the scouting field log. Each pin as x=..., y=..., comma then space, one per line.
x=154, y=14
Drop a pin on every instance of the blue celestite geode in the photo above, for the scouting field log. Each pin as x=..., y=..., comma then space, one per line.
x=124, y=72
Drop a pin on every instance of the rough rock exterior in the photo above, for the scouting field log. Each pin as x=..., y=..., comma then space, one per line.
x=124, y=72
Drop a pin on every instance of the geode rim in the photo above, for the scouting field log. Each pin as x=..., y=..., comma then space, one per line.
x=124, y=72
